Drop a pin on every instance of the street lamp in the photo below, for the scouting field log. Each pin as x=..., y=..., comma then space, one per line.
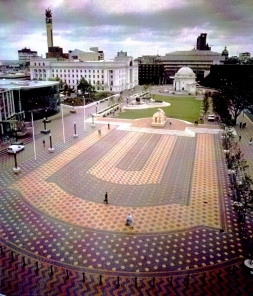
x=50, y=149
x=75, y=135
x=16, y=169
x=45, y=131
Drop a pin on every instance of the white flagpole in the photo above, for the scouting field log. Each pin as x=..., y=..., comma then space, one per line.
x=34, y=146
x=63, y=131
x=84, y=127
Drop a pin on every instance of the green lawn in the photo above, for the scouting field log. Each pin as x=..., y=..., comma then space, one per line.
x=184, y=108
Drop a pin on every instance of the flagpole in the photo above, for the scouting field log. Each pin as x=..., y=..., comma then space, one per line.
x=63, y=131
x=34, y=146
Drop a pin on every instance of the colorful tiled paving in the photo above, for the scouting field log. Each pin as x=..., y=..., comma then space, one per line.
x=175, y=184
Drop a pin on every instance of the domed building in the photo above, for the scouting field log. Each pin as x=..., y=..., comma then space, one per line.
x=225, y=53
x=185, y=81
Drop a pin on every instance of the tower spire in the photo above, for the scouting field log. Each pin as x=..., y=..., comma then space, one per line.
x=49, y=25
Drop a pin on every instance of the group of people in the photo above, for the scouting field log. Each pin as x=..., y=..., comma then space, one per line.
x=129, y=219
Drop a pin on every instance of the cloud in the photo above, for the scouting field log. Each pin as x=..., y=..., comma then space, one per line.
x=138, y=27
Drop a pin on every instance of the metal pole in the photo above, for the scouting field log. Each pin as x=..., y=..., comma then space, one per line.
x=63, y=131
x=15, y=159
x=50, y=139
x=34, y=146
x=45, y=123
x=74, y=128
x=84, y=127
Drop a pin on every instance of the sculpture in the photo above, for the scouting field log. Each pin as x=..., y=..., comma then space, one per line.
x=159, y=118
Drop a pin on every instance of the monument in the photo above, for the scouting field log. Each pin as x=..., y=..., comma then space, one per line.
x=159, y=118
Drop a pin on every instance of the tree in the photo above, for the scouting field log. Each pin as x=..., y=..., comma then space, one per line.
x=61, y=83
x=232, y=98
x=85, y=86
x=205, y=103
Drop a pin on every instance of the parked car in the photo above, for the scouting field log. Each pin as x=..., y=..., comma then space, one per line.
x=15, y=148
x=211, y=117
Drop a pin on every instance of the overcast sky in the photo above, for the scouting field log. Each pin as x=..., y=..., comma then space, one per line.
x=139, y=27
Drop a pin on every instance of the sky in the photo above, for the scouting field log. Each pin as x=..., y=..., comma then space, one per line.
x=139, y=27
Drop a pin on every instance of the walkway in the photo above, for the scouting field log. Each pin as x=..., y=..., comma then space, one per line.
x=186, y=237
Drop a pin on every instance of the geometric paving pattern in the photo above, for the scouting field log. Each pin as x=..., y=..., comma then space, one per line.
x=175, y=187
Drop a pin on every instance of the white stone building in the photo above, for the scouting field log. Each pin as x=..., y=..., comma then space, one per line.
x=185, y=81
x=113, y=75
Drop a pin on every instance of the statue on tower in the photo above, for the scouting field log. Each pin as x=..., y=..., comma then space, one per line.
x=48, y=16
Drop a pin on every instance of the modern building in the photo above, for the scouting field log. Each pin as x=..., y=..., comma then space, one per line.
x=201, y=42
x=163, y=67
x=83, y=56
x=244, y=56
x=25, y=54
x=100, y=52
x=18, y=98
x=113, y=75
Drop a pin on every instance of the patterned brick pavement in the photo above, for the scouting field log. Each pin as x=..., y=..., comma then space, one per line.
x=186, y=235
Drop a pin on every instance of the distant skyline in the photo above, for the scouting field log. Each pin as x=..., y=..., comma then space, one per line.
x=146, y=27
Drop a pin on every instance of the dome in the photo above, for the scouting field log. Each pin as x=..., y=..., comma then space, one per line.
x=185, y=71
x=225, y=52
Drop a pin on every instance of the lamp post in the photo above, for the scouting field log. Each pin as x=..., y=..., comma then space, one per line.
x=50, y=149
x=16, y=169
x=45, y=131
x=75, y=135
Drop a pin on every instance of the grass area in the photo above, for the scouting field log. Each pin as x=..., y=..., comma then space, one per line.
x=184, y=108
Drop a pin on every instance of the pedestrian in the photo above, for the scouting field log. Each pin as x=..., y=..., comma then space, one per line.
x=99, y=131
x=240, y=124
x=129, y=221
x=240, y=138
x=250, y=141
x=106, y=198
x=44, y=143
x=108, y=125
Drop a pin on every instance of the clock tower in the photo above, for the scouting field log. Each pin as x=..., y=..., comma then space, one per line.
x=49, y=24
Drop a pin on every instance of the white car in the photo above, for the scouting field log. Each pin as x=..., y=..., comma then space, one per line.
x=15, y=148
x=211, y=117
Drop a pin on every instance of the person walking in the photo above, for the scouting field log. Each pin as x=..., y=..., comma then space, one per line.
x=106, y=198
x=250, y=141
x=129, y=221
x=108, y=125
x=44, y=143
x=240, y=138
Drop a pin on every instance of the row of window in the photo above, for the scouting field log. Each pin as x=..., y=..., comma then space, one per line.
x=94, y=71
x=77, y=76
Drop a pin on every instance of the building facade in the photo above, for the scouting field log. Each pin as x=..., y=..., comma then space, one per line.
x=25, y=54
x=184, y=81
x=163, y=67
x=113, y=75
x=19, y=98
